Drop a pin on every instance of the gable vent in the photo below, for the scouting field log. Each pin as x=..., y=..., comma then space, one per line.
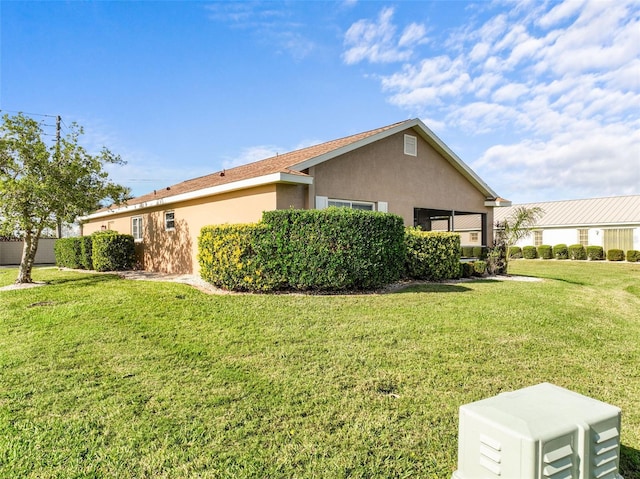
x=410, y=145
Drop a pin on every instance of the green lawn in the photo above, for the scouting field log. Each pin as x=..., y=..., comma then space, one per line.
x=104, y=377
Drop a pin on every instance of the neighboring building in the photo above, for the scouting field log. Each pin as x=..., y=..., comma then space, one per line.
x=608, y=222
x=11, y=252
x=402, y=168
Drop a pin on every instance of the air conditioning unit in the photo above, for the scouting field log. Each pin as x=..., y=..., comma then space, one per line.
x=539, y=432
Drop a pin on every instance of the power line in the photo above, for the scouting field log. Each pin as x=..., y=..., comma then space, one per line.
x=27, y=113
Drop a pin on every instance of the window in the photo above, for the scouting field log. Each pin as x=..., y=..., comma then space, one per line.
x=169, y=220
x=356, y=205
x=537, y=238
x=473, y=237
x=583, y=237
x=136, y=227
x=618, y=239
x=410, y=145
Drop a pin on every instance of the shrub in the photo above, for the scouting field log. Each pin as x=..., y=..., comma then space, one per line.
x=228, y=259
x=332, y=249
x=432, y=255
x=595, y=253
x=615, y=255
x=466, y=269
x=86, y=252
x=479, y=268
x=515, y=252
x=577, y=252
x=467, y=252
x=545, y=251
x=480, y=252
x=68, y=252
x=633, y=255
x=560, y=251
x=113, y=252
x=529, y=252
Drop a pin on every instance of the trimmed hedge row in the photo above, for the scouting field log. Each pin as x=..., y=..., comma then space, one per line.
x=576, y=252
x=335, y=249
x=102, y=251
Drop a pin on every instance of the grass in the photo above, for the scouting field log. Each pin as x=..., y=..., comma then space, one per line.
x=104, y=377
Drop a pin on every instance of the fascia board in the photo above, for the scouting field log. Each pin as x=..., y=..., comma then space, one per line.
x=498, y=203
x=433, y=139
x=279, y=177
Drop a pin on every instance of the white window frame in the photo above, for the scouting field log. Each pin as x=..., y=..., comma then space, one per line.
x=168, y=221
x=136, y=228
x=350, y=204
x=410, y=145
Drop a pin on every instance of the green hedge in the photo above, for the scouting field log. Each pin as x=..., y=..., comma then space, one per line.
x=432, y=255
x=577, y=252
x=467, y=252
x=332, y=249
x=633, y=255
x=480, y=252
x=615, y=255
x=86, y=251
x=561, y=251
x=228, y=259
x=545, y=251
x=324, y=250
x=515, y=252
x=595, y=253
x=479, y=268
x=113, y=252
x=68, y=252
x=529, y=252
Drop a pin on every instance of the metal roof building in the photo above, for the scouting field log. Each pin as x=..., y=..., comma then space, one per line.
x=612, y=222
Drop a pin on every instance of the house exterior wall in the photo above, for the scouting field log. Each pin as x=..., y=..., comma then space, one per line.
x=382, y=172
x=175, y=251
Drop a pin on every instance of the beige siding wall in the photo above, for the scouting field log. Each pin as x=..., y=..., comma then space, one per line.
x=382, y=172
x=175, y=251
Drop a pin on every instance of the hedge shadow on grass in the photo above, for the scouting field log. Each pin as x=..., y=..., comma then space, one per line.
x=432, y=288
x=629, y=461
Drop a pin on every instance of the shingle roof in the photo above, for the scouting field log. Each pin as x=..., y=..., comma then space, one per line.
x=616, y=210
x=289, y=166
x=277, y=164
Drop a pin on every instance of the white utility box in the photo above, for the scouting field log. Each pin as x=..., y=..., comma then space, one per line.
x=539, y=432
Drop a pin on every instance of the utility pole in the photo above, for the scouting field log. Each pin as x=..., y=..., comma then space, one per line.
x=58, y=121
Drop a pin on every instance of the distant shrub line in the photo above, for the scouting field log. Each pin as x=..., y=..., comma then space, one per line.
x=574, y=252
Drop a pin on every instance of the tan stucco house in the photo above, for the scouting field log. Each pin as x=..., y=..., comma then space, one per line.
x=402, y=168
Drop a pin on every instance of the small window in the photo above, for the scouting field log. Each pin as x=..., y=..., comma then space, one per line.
x=356, y=205
x=136, y=227
x=473, y=237
x=410, y=145
x=537, y=238
x=583, y=237
x=169, y=220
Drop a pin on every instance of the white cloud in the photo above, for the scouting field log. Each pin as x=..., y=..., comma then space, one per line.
x=554, y=85
x=377, y=42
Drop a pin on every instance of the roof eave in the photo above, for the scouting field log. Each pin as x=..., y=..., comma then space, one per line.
x=280, y=177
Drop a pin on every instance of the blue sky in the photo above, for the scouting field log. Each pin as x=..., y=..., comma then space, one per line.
x=540, y=98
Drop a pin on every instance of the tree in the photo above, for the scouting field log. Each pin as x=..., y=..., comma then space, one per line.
x=40, y=185
x=516, y=227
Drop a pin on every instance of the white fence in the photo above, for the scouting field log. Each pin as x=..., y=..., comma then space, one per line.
x=11, y=252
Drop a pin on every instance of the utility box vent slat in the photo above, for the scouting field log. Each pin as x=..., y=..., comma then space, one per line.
x=539, y=432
